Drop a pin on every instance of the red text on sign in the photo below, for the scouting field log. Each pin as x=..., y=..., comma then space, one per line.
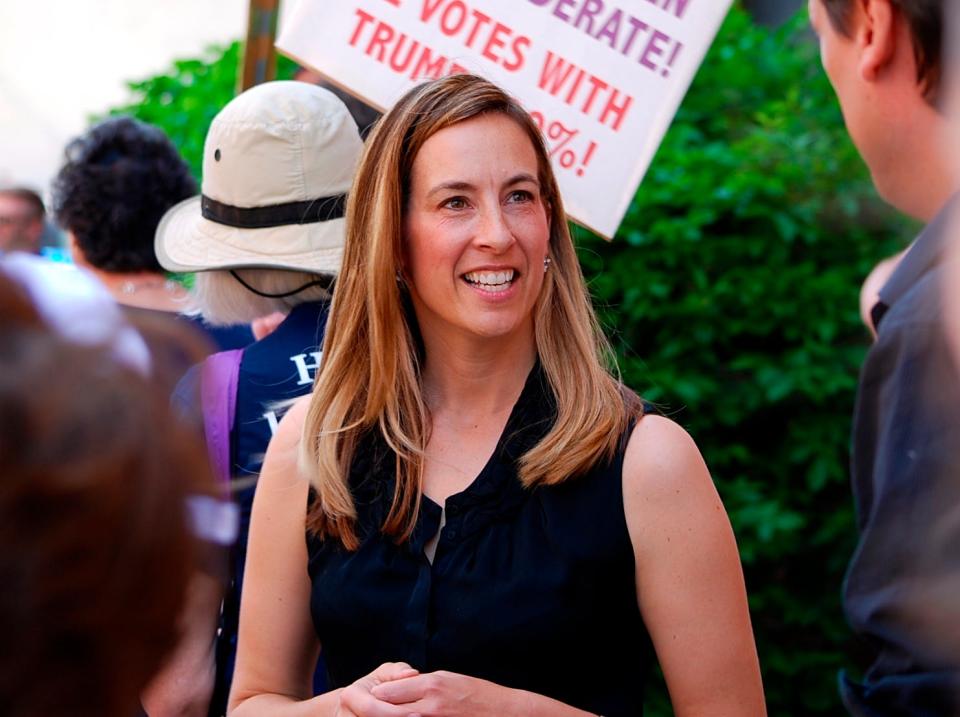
x=579, y=88
x=495, y=41
x=560, y=138
x=399, y=51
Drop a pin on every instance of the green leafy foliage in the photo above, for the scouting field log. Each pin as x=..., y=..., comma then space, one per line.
x=730, y=294
x=184, y=101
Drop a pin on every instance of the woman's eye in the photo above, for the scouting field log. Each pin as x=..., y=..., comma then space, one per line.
x=519, y=195
x=455, y=203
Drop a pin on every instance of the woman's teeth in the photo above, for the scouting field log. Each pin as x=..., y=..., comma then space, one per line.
x=490, y=280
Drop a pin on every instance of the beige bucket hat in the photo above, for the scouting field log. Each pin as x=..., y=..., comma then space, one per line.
x=277, y=164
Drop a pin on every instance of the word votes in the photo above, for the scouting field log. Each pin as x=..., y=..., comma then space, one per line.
x=495, y=41
x=477, y=30
x=307, y=365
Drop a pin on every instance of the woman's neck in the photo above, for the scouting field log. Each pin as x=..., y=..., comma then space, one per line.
x=140, y=289
x=476, y=377
x=143, y=289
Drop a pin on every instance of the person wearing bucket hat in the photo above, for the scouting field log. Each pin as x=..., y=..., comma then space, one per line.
x=265, y=235
x=277, y=163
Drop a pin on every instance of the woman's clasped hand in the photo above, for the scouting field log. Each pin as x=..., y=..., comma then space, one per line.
x=397, y=690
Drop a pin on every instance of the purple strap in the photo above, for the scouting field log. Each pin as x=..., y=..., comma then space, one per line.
x=218, y=398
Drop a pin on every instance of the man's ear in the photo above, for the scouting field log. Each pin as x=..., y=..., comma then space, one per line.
x=876, y=35
x=76, y=253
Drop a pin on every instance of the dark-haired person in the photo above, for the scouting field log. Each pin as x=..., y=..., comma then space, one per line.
x=96, y=546
x=117, y=181
x=21, y=220
x=884, y=59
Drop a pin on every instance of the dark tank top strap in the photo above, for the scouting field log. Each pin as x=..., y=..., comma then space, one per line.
x=650, y=409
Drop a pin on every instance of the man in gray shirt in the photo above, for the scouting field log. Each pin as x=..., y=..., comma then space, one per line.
x=883, y=58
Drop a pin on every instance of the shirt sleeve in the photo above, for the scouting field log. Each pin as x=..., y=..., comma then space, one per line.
x=902, y=582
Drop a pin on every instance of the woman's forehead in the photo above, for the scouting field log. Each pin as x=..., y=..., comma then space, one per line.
x=488, y=143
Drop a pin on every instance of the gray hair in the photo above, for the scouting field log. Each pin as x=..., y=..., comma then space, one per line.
x=222, y=300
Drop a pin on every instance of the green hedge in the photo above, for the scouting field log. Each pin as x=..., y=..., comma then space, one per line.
x=731, y=292
x=731, y=295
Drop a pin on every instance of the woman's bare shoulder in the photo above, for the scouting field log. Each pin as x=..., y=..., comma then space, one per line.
x=661, y=456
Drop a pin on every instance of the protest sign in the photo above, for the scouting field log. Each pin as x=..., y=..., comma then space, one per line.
x=602, y=78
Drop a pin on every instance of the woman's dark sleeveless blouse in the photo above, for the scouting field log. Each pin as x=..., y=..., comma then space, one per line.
x=531, y=589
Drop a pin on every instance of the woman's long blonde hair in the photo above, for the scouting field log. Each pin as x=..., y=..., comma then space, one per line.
x=370, y=376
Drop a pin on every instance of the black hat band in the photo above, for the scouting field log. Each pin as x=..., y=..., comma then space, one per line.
x=322, y=209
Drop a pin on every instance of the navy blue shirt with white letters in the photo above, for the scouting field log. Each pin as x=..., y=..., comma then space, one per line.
x=279, y=367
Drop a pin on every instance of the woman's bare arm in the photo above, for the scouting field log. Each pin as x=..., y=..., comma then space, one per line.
x=690, y=586
x=278, y=648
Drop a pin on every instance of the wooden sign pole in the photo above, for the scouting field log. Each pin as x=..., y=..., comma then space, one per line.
x=259, y=57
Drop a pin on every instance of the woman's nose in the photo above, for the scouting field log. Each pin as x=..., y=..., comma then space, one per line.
x=494, y=232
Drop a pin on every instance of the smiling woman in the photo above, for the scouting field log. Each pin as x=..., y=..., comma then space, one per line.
x=477, y=230
x=492, y=522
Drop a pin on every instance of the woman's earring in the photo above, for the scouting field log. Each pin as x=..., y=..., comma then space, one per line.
x=546, y=263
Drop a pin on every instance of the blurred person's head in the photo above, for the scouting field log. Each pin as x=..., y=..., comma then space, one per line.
x=97, y=548
x=78, y=307
x=267, y=231
x=21, y=220
x=925, y=24
x=884, y=59
x=117, y=181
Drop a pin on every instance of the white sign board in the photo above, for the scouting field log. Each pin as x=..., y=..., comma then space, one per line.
x=603, y=78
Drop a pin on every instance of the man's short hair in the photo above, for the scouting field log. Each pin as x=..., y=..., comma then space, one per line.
x=28, y=197
x=118, y=180
x=925, y=19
